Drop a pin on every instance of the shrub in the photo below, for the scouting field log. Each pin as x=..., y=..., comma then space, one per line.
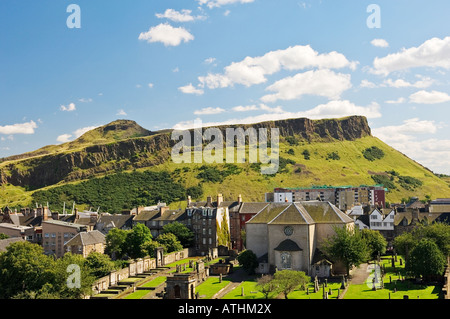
x=373, y=153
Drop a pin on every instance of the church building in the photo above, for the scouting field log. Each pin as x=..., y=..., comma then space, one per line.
x=289, y=236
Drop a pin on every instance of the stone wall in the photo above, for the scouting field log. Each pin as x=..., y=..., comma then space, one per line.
x=136, y=267
x=446, y=288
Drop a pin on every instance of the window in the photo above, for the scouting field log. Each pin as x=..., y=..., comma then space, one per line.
x=46, y=235
x=189, y=212
x=53, y=235
x=373, y=216
x=210, y=212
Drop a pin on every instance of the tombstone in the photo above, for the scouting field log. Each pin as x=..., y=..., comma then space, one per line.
x=405, y=297
x=220, y=278
x=324, y=294
x=316, y=284
x=343, y=283
x=392, y=262
x=242, y=292
x=390, y=279
x=401, y=262
x=374, y=287
x=326, y=282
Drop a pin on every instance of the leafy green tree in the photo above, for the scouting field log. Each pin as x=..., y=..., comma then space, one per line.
x=62, y=277
x=170, y=242
x=136, y=239
x=404, y=243
x=248, y=260
x=266, y=285
x=426, y=259
x=100, y=265
x=3, y=236
x=116, y=243
x=375, y=241
x=288, y=280
x=24, y=267
x=184, y=234
x=347, y=246
x=150, y=246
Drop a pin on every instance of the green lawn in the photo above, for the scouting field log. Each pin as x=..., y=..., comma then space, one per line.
x=392, y=282
x=210, y=287
x=155, y=282
x=250, y=291
x=138, y=294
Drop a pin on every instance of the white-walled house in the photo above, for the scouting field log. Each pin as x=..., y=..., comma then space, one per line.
x=382, y=219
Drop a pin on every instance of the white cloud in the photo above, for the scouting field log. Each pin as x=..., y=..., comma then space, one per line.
x=20, y=128
x=400, y=134
x=425, y=97
x=151, y=85
x=430, y=152
x=210, y=60
x=253, y=70
x=64, y=138
x=166, y=34
x=321, y=82
x=367, y=84
x=333, y=109
x=85, y=100
x=69, y=108
x=209, y=111
x=179, y=16
x=83, y=130
x=219, y=3
x=246, y=108
x=380, y=43
x=432, y=53
x=400, y=100
x=121, y=112
x=400, y=83
x=190, y=89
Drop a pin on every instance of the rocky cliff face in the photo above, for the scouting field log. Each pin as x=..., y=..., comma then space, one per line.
x=68, y=165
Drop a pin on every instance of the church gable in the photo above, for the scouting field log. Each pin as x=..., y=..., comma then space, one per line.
x=292, y=215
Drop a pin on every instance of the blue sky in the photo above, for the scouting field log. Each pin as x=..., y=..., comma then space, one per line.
x=165, y=64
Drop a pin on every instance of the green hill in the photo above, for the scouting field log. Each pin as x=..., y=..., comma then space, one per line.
x=325, y=152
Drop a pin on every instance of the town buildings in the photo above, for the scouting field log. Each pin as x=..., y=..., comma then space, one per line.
x=342, y=197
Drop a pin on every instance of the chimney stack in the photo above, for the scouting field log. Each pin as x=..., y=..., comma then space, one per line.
x=219, y=199
x=189, y=201
x=209, y=200
x=239, y=199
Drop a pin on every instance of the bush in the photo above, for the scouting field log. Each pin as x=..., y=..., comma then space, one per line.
x=306, y=155
x=373, y=153
x=333, y=156
x=248, y=260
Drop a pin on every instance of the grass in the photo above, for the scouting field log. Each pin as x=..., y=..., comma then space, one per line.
x=250, y=291
x=211, y=286
x=394, y=287
x=155, y=282
x=138, y=294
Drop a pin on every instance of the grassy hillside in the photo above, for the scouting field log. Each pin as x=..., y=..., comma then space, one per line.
x=304, y=164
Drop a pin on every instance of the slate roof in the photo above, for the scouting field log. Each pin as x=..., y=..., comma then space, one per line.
x=146, y=215
x=87, y=238
x=288, y=245
x=307, y=212
x=119, y=221
x=252, y=208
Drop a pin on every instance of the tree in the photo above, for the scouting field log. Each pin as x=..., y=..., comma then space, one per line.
x=375, y=241
x=404, y=243
x=184, y=234
x=3, y=236
x=99, y=265
x=426, y=259
x=170, y=242
x=266, y=285
x=150, y=246
x=287, y=280
x=136, y=239
x=63, y=276
x=347, y=246
x=115, y=243
x=248, y=260
x=24, y=267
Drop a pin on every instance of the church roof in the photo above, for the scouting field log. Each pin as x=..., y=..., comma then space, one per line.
x=306, y=213
x=288, y=245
